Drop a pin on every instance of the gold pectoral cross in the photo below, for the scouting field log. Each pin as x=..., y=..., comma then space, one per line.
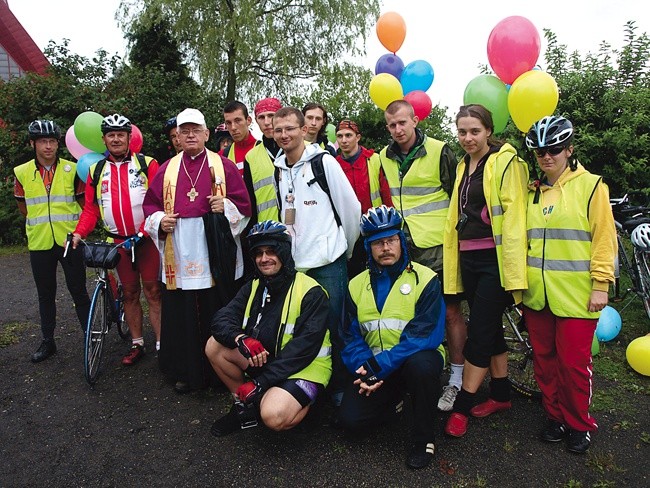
x=192, y=194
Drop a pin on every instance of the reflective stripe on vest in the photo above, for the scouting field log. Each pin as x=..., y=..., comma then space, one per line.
x=320, y=369
x=49, y=217
x=559, y=254
x=262, y=170
x=382, y=331
x=419, y=195
x=374, y=167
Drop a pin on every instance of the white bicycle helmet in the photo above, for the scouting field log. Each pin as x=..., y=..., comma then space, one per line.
x=114, y=123
x=549, y=131
x=641, y=237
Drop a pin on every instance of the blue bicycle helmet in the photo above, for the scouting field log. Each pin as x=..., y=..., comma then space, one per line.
x=268, y=233
x=169, y=125
x=549, y=131
x=380, y=222
x=40, y=129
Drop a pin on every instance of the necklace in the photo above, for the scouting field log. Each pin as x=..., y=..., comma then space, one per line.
x=192, y=194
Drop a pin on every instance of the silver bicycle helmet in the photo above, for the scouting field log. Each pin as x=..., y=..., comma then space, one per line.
x=641, y=237
x=549, y=131
x=114, y=123
x=40, y=129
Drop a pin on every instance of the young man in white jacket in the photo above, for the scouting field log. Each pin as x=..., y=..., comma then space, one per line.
x=324, y=227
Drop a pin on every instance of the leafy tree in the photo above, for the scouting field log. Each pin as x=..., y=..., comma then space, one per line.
x=245, y=48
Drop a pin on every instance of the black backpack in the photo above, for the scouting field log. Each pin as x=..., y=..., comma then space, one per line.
x=319, y=177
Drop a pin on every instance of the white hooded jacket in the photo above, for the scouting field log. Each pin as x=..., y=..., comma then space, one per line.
x=316, y=238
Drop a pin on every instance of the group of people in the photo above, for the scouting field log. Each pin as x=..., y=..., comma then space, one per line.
x=289, y=272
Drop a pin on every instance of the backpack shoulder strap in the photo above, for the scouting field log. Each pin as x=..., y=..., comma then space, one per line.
x=320, y=178
x=144, y=168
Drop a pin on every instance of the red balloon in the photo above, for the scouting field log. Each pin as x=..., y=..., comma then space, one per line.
x=513, y=48
x=420, y=102
x=136, y=139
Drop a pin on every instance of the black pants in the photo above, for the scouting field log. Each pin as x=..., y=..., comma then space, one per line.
x=419, y=376
x=487, y=300
x=44, y=264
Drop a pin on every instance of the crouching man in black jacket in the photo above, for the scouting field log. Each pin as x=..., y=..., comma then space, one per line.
x=270, y=345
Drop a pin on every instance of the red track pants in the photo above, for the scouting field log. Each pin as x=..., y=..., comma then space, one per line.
x=562, y=365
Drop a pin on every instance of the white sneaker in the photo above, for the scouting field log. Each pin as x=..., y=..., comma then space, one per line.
x=448, y=397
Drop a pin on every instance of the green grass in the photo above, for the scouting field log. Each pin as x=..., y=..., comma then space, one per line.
x=11, y=250
x=9, y=333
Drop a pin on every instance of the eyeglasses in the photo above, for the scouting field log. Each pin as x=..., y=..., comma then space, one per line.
x=280, y=130
x=196, y=132
x=553, y=151
x=380, y=243
x=258, y=253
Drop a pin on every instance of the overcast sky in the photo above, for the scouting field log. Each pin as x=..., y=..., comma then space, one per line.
x=451, y=36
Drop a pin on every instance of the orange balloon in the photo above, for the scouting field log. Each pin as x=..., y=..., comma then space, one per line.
x=391, y=31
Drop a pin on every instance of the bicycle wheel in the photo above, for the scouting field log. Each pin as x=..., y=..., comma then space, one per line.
x=122, y=327
x=96, y=331
x=643, y=263
x=520, y=355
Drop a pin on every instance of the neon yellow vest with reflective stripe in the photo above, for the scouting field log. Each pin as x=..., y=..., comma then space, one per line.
x=98, y=188
x=374, y=167
x=382, y=331
x=262, y=170
x=49, y=217
x=559, y=252
x=419, y=196
x=320, y=369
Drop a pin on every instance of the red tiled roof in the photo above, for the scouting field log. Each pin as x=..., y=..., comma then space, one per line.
x=18, y=43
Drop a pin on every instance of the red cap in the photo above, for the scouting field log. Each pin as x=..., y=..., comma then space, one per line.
x=267, y=105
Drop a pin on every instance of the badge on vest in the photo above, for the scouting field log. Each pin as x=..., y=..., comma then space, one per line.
x=67, y=168
x=405, y=289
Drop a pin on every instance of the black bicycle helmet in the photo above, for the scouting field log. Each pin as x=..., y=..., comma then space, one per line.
x=39, y=129
x=379, y=220
x=551, y=130
x=169, y=125
x=115, y=123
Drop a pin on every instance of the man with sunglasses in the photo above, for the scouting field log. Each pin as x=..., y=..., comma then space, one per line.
x=392, y=337
x=275, y=332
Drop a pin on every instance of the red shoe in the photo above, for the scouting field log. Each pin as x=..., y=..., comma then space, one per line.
x=134, y=355
x=456, y=425
x=489, y=407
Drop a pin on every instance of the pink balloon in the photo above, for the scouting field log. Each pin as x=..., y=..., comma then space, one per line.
x=136, y=139
x=74, y=146
x=513, y=48
x=420, y=102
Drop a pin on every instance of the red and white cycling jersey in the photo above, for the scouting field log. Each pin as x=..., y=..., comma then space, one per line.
x=122, y=187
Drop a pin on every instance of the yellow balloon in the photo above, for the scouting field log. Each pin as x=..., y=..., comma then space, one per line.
x=638, y=355
x=384, y=89
x=533, y=95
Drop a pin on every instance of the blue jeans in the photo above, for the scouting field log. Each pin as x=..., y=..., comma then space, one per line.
x=333, y=278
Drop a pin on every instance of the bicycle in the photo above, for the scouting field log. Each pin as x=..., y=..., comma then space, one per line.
x=636, y=262
x=106, y=305
x=520, y=354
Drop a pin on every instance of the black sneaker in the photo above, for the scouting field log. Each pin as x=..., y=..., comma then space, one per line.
x=554, y=431
x=578, y=441
x=240, y=417
x=45, y=350
x=421, y=455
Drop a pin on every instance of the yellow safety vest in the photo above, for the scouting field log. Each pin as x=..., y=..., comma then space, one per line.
x=320, y=369
x=505, y=180
x=419, y=195
x=382, y=331
x=559, y=251
x=374, y=167
x=49, y=217
x=262, y=169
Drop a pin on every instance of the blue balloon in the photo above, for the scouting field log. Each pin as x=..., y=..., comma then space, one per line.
x=417, y=75
x=391, y=64
x=85, y=162
x=609, y=324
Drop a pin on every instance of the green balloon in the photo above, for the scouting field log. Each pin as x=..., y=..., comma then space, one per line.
x=331, y=133
x=88, y=131
x=491, y=92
